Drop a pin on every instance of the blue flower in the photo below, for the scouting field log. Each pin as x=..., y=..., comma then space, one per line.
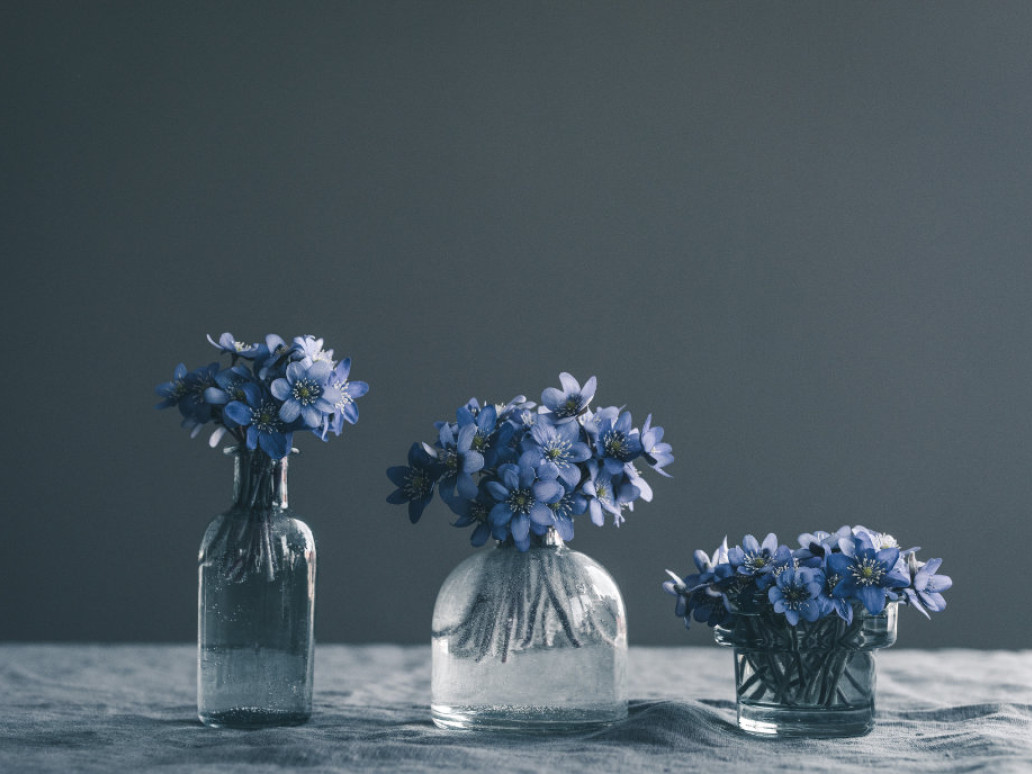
x=521, y=498
x=815, y=546
x=259, y=413
x=657, y=454
x=572, y=503
x=299, y=380
x=559, y=449
x=571, y=401
x=459, y=460
x=344, y=410
x=926, y=587
x=484, y=421
x=474, y=512
x=229, y=386
x=843, y=608
x=311, y=350
x=617, y=443
x=415, y=481
x=605, y=492
x=868, y=574
x=306, y=393
x=227, y=343
x=698, y=597
x=270, y=356
x=195, y=410
x=762, y=562
x=796, y=594
x=172, y=392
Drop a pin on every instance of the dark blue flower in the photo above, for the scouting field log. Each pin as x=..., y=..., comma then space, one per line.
x=474, y=512
x=559, y=449
x=271, y=356
x=867, y=574
x=306, y=393
x=459, y=461
x=697, y=595
x=520, y=498
x=926, y=587
x=762, y=562
x=195, y=410
x=229, y=386
x=796, y=594
x=259, y=413
x=415, y=481
x=571, y=401
x=843, y=608
x=172, y=392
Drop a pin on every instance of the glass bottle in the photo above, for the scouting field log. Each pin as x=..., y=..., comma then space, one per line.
x=531, y=641
x=256, y=604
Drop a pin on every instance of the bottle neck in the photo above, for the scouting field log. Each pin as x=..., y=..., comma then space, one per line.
x=550, y=539
x=259, y=482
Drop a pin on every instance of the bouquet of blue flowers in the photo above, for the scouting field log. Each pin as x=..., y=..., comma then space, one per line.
x=804, y=622
x=517, y=470
x=269, y=391
x=830, y=574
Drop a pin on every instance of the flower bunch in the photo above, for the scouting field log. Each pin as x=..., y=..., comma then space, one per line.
x=830, y=574
x=269, y=391
x=518, y=469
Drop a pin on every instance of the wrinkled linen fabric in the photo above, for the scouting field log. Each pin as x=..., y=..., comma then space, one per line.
x=106, y=708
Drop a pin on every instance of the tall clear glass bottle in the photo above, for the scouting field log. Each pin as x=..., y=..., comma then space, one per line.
x=532, y=641
x=256, y=605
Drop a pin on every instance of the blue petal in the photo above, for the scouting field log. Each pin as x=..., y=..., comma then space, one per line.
x=480, y=535
x=466, y=486
x=238, y=412
x=520, y=528
x=501, y=514
x=542, y=514
x=290, y=411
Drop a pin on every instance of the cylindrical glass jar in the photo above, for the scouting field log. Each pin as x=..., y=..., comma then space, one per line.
x=813, y=679
x=256, y=605
x=529, y=641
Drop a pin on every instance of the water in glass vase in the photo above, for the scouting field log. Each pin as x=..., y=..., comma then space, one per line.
x=255, y=611
x=530, y=641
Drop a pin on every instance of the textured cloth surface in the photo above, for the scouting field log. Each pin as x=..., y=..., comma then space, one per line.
x=68, y=708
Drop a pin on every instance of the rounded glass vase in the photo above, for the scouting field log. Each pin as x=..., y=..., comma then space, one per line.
x=529, y=641
x=816, y=679
x=256, y=605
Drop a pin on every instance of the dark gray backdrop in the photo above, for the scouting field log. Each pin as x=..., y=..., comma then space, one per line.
x=798, y=233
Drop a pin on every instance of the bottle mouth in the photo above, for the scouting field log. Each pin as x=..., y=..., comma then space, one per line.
x=232, y=450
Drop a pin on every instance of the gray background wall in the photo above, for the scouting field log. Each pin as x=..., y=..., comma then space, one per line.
x=798, y=233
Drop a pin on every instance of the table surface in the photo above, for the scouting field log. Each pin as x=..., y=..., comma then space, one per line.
x=68, y=708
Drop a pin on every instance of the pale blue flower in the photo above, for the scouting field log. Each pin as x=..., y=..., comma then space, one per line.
x=306, y=393
x=572, y=400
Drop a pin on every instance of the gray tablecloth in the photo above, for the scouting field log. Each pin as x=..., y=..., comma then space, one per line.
x=68, y=708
